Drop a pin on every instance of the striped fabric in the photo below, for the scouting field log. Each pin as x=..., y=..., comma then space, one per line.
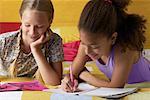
x=143, y=94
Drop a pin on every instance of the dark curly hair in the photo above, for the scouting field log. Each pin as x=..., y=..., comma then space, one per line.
x=103, y=17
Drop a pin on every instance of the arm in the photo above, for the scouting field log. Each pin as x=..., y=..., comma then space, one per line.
x=79, y=61
x=120, y=74
x=77, y=67
x=51, y=72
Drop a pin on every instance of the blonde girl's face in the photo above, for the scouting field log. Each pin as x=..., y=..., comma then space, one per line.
x=34, y=24
x=95, y=46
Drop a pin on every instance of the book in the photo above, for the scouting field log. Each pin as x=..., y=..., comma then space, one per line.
x=86, y=89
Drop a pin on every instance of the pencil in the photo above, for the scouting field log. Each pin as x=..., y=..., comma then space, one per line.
x=71, y=77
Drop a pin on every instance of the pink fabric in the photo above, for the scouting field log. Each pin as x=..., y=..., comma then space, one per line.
x=70, y=50
x=14, y=86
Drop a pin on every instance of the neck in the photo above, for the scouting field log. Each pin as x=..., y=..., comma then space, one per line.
x=25, y=47
x=104, y=58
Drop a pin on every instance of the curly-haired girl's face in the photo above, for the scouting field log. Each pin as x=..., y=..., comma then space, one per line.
x=95, y=46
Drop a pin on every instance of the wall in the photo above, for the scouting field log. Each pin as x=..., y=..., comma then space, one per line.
x=67, y=13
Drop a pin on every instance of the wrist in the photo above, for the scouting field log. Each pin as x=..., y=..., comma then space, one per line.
x=34, y=49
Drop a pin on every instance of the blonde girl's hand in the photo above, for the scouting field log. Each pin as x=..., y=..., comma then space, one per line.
x=44, y=38
x=66, y=84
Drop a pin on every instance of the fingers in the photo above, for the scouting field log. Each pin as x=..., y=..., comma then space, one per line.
x=75, y=85
x=37, y=43
x=46, y=38
x=43, y=38
x=66, y=86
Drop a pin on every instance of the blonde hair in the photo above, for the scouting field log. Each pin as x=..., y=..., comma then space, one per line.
x=40, y=5
x=13, y=71
x=13, y=66
x=38, y=76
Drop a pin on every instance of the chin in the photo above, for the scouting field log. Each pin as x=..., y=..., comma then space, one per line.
x=94, y=57
x=33, y=40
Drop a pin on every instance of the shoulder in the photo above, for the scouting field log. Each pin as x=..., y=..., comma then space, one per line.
x=55, y=36
x=55, y=40
x=126, y=56
x=9, y=35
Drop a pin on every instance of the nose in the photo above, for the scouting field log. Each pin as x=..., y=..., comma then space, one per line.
x=33, y=30
x=88, y=50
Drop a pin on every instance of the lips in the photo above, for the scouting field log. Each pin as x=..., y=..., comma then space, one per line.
x=34, y=38
x=93, y=57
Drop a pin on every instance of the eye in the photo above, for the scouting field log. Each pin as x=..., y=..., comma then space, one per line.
x=27, y=25
x=95, y=47
x=40, y=26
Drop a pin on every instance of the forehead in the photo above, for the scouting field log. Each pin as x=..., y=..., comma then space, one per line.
x=92, y=39
x=35, y=15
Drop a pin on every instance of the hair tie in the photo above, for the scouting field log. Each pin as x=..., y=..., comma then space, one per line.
x=108, y=1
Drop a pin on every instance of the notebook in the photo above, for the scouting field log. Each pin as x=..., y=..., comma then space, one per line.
x=86, y=89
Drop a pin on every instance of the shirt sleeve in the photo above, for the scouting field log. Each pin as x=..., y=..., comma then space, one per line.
x=56, y=49
x=2, y=42
x=2, y=71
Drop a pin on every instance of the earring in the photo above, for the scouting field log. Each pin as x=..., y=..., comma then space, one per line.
x=113, y=40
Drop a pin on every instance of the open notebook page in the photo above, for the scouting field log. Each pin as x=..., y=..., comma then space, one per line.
x=86, y=89
x=83, y=87
x=110, y=92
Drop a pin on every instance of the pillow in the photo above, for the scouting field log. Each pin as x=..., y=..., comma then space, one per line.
x=70, y=50
x=9, y=26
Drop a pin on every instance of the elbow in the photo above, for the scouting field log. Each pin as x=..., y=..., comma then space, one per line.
x=57, y=83
x=111, y=85
x=115, y=86
x=53, y=83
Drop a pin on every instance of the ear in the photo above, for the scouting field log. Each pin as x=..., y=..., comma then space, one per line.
x=50, y=21
x=48, y=27
x=114, y=35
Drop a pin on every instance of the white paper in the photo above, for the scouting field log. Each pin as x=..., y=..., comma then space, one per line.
x=13, y=95
x=84, y=87
x=93, y=91
x=110, y=92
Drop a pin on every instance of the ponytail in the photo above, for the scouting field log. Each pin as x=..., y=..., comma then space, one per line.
x=131, y=32
x=13, y=69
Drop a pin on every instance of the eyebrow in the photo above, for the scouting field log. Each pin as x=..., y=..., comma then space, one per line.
x=90, y=44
